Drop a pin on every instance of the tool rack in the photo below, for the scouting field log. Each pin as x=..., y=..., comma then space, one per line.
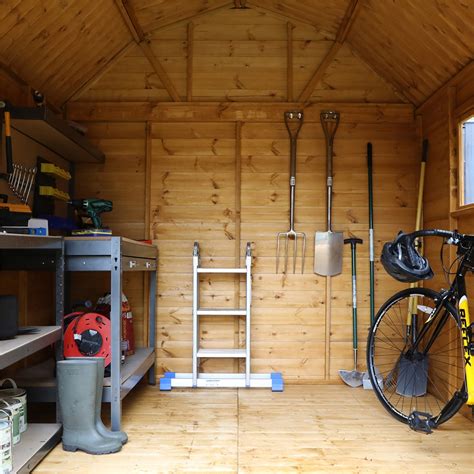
x=117, y=255
x=29, y=252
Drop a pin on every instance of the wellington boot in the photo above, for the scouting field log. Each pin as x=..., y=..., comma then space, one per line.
x=77, y=390
x=101, y=428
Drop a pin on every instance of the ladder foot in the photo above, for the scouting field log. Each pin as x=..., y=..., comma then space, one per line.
x=277, y=382
x=165, y=381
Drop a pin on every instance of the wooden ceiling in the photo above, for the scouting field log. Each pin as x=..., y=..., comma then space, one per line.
x=60, y=46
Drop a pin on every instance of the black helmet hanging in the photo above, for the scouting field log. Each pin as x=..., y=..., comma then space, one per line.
x=403, y=262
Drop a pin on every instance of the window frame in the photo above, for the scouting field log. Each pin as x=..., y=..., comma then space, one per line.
x=462, y=208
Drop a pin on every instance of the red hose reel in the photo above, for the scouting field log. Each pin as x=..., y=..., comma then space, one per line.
x=87, y=335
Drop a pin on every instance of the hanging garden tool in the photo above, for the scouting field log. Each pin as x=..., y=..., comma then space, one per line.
x=412, y=380
x=371, y=234
x=328, y=245
x=293, y=121
x=353, y=378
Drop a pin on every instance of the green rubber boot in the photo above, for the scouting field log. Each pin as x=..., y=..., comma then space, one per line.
x=77, y=390
x=101, y=428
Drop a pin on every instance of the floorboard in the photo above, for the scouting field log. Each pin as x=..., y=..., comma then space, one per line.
x=304, y=429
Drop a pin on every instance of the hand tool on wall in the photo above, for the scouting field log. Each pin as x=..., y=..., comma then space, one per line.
x=353, y=378
x=294, y=122
x=328, y=246
x=371, y=234
x=412, y=378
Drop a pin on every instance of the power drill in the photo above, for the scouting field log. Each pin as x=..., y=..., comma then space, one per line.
x=93, y=208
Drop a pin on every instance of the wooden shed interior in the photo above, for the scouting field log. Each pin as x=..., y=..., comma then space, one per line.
x=186, y=99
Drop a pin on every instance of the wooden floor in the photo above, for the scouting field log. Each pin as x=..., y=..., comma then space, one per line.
x=305, y=429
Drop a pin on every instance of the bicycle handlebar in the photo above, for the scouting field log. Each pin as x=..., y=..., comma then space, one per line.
x=453, y=237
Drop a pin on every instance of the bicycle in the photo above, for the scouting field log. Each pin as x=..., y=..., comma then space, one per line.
x=420, y=351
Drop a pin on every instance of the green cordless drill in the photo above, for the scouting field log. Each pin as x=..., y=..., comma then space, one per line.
x=93, y=208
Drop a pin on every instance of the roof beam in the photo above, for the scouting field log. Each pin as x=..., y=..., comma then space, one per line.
x=344, y=29
x=130, y=19
x=100, y=73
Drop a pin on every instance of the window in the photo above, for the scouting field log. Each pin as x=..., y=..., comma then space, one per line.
x=467, y=162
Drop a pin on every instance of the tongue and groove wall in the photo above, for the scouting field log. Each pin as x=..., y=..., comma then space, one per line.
x=182, y=172
x=441, y=116
x=193, y=168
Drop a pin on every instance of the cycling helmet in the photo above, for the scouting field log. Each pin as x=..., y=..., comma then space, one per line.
x=403, y=262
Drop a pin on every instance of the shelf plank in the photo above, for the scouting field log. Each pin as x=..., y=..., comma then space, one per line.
x=13, y=350
x=36, y=442
x=134, y=364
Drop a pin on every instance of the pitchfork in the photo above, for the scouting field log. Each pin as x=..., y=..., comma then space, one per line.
x=293, y=121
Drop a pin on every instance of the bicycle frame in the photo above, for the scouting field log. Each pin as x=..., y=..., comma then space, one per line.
x=457, y=292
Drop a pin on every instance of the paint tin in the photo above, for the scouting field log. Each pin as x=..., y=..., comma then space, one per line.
x=6, y=462
x=12, y=407
x=19, y=393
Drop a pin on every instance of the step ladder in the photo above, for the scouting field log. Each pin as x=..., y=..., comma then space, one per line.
x=198, y=379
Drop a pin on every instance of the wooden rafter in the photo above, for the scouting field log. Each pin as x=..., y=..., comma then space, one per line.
x=346, y=25
x=405, y=96
x=130, y=19
x=100, y=73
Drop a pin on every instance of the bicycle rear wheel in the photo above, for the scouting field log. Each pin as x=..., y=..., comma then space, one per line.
x=429, y=379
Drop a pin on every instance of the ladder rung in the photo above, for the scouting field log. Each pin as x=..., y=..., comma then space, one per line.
x=222, y=353
x=222, y=270
x=221, y=312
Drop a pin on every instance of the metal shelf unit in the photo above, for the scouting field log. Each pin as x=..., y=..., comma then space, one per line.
x=117, y=255
x=28, y=252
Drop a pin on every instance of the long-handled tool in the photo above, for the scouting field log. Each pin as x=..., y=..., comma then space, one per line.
x=353, y=378
x=366, y=379
x=412, y=380
x=294, y=122
x=328, y=245
x=371, y=234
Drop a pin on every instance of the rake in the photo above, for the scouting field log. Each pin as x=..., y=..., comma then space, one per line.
x=293, y=121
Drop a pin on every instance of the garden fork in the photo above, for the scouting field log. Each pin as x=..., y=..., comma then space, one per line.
x=293, y=121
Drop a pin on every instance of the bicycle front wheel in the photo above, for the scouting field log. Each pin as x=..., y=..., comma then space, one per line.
x=415, y=365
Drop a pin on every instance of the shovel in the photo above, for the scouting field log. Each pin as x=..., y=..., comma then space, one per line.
x=353, y=378
x=328, y=245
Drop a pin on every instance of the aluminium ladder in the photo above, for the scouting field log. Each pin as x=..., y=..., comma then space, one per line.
x=198, y=379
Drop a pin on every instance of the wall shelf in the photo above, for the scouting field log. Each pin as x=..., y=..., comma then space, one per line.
x=25, y=252
x=45, y=127
x=36, y=442
x=13, y=350
x=117, y=255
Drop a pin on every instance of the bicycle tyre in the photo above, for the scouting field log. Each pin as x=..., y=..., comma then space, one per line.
x=376, y=347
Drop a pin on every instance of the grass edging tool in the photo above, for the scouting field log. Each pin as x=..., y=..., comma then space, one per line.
x=293, y=122
x=328, y=246
x=353, y=378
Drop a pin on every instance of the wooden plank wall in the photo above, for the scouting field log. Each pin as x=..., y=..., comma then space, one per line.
x=239, y=55
x=193, y=197
x=441, y=116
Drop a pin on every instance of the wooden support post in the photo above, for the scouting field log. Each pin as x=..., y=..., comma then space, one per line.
x=346, y=25
x=237, y=232
x=189, y=62
x=289, y=62
x=147, y=218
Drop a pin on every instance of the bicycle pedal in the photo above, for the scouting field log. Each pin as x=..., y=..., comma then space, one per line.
x=421, y=421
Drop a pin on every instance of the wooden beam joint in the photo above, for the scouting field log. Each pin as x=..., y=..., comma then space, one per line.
x=139, y=36
x=344, y=29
